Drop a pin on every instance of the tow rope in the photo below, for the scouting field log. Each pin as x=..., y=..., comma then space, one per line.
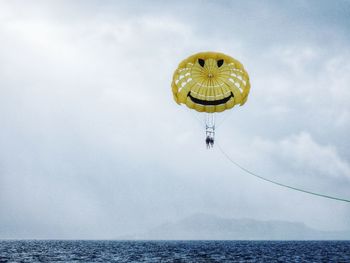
x=277, y=183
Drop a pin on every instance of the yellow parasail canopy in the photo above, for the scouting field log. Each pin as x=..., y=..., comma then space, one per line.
x=210, y=82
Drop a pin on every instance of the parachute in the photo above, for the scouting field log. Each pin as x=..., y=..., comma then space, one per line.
x=210, y=82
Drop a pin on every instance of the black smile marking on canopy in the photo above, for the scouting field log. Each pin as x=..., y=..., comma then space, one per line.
x=210, y=102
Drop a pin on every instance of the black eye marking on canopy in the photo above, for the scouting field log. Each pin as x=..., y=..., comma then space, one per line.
x=201, y=62
x=220, y=62
x=210, y=102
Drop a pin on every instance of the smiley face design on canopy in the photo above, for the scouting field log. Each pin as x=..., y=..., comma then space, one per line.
x=210, y=82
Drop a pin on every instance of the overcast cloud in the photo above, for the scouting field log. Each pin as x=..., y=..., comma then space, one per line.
x=92, y=144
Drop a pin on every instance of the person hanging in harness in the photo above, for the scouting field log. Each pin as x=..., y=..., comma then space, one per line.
x=211, y=142
x=207, y=141
x=210, y=133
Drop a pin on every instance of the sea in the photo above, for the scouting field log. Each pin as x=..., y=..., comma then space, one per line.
x=173, y=251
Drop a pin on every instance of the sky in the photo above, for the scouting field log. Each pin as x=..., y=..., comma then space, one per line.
x=92, y=145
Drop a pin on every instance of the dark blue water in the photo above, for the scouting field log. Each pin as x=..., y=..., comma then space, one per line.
x=174, y=251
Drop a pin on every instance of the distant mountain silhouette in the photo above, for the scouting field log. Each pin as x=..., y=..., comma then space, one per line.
x=209, y=227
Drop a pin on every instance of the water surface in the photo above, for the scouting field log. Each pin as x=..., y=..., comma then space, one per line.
x=173, y=251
